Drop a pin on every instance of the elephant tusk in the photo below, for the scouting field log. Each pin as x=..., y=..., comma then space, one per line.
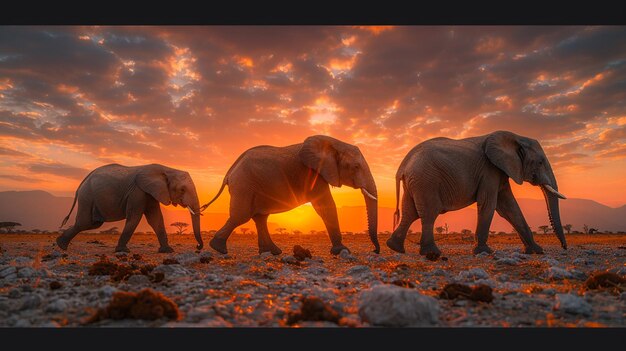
x=551, y=189
x=190, y=210
x=365, y=192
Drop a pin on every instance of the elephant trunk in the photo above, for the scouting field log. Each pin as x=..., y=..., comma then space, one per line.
x=551, y=196
x=371, y=204
x=195, y=222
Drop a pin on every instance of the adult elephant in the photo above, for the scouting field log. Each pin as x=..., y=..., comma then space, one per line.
x=268, y=179
x=442, y=174
x=114, y=192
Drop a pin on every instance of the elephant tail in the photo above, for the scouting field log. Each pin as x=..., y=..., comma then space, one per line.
x=225, y=181
x=75, y=198
x=396, y=214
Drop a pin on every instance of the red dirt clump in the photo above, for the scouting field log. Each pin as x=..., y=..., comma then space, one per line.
x=146, y=304
x=481, y=292
x=103, y=267
x=301, y=253
x=605, y=281
x=54, y=285
x=170, y=261
x=313, y=309
x=118, y=272
x=206, y=259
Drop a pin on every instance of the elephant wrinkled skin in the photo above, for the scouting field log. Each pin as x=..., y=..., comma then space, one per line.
x=114, y=192
x=442, y=174
x=267, y=179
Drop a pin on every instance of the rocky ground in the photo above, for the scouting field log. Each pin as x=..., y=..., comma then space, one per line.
x=43, y=286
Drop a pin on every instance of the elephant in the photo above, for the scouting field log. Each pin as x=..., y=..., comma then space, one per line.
x=267, y=179
x=114, y=192
x=442, y=174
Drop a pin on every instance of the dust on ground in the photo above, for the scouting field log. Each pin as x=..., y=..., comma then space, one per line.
x=40, y=285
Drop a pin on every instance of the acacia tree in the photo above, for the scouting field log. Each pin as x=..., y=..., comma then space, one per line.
x=446, y=228
x=586, y=229
x=9, y=226
x=439, y=230
x=243, y=230
x=297, y=232
x=281, y=230
x=544, y=228
x=182, y=226
x=568, y=228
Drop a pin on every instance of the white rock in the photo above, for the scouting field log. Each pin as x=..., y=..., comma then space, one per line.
x=7, y=270
x=357, y=270
x=346, y=255
x=572, y=304
x=106, y=291
x=188, y=258
x=557, y=273
x=172, y=270
x=26, y=272
x=390, y=305
x=214, y=278
x=551, y=261
x=58, y=305
x=473, y=274
x=21, y=323
x=289, y=259
x=138, y=279
x=31, y=301
x=507, y=261
x=23, y=259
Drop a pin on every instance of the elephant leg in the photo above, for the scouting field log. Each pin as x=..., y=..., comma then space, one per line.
x=427, y=241
x=84, y=221
x=129, y=229
x=485, y=215
x=508, y=208
x=155, y=220
x=265, y=241
x=409, y=215
x=218, y=243
x=324, y=205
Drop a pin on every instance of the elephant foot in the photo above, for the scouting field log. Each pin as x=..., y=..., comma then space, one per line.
x=396, y=245
x=218, y=245
x=533, y=249
x=165, y=249
x=430, y=250
x=482, y=248
x=275, y=250
x=62, y=243
x=122, y=249
x=336, y=249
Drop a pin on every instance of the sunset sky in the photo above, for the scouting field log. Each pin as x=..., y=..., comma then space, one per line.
x=195, y=98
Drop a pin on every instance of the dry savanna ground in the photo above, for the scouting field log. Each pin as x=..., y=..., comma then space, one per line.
x=41, y=285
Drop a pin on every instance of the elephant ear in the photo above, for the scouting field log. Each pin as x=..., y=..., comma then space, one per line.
x=318, y=153
x=154, y=182
x=503, y=150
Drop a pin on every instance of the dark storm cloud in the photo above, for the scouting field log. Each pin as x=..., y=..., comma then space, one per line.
x=10, y=152
x=169, y=94
x=58, y=169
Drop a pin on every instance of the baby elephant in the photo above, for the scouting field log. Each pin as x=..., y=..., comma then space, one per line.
x=442, y=175
x=268, y=179
x=115, y=192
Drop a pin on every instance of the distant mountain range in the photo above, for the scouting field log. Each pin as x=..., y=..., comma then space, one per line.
x=42, y=210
